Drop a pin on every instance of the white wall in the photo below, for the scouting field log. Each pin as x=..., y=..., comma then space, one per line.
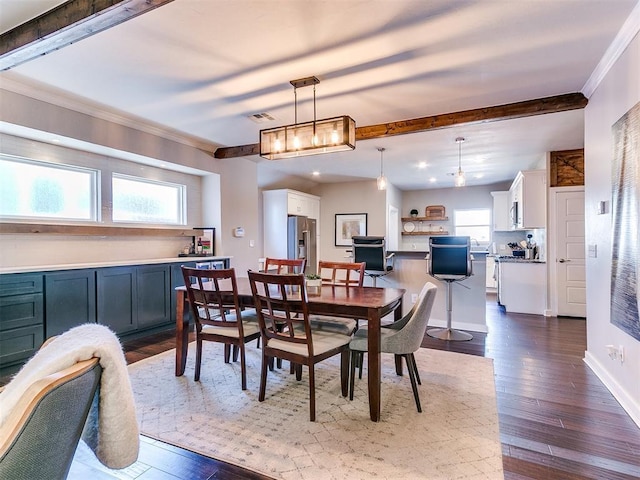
x=240, y=195
x=31, y=250
x=616, y=94
x=351, y=197
x=452, y=199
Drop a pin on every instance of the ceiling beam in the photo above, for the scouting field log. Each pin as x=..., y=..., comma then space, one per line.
x=540, y=106
x=66, y=24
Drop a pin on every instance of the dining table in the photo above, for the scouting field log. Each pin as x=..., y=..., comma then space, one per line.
x=361, y=303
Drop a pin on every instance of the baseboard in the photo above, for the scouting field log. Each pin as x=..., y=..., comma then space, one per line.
x=473, y=327
x=620, y=394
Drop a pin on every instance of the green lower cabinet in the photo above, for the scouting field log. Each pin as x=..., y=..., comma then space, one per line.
x=153, y=299
x=70, y=300
x=116, y=298
x=21, y=317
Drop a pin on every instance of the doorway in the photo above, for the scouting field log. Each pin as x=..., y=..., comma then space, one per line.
x=567, y=272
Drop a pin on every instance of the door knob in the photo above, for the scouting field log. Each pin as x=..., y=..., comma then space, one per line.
x=562, y=260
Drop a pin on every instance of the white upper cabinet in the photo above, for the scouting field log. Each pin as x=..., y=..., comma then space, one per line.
x=528, y=197
x=501, y=206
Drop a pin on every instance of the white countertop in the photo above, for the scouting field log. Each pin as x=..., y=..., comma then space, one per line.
x=118, y=263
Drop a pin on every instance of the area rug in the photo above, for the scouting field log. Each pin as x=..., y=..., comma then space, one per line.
x=455, y=437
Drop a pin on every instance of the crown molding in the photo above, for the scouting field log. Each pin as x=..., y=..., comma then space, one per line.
x=625, y=36
x=21, y=85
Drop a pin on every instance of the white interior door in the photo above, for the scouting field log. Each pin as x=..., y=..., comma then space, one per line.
x=570, y=256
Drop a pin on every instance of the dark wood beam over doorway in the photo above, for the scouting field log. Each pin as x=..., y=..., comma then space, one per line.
x=540, y=106
x=66, y=24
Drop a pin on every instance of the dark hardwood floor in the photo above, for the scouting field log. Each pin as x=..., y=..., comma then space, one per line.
x=557, y=420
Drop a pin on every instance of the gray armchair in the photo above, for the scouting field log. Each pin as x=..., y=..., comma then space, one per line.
x=402, y=338
x=40, y=437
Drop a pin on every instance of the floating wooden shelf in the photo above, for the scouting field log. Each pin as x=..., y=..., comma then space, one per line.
x=96, y=230
x=424, y=219
x=425, y=233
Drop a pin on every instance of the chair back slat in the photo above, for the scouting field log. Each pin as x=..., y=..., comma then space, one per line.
x=341, y=273
x=285, y=265
x=213, y=295
x=282, y=309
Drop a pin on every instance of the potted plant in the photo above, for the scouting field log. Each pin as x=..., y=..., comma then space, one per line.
x=313, y=280
x=414, y=212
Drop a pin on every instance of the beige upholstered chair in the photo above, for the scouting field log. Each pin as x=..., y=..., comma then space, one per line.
x=283, y=314
x=403, y=338
x=213, y=299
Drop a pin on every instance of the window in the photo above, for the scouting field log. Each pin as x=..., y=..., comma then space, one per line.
x=31, y=189
x=139, y=200
x=475, y=223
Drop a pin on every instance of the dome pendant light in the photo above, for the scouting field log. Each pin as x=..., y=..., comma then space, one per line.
x=382, y=180
x=459, y=176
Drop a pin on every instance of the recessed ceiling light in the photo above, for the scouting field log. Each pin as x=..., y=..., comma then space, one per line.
x=432, y=179
x=422, y=165
x=479, y=175
x=315, y=173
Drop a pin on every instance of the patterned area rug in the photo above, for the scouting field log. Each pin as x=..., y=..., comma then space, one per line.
x=456, y=436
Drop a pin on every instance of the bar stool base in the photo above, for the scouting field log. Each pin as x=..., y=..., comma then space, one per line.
x=449, y=334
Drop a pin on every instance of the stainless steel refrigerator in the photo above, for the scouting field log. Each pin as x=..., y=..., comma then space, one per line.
x=301, y=241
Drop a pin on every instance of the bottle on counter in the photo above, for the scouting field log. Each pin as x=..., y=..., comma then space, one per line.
x=199, y=246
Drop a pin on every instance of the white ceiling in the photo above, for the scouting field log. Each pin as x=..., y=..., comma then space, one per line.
x=202, y=67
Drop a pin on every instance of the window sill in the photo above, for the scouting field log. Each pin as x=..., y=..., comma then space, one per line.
x=95, y=230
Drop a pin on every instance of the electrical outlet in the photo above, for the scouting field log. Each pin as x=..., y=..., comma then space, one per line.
x=616, y=353
x=414, y=297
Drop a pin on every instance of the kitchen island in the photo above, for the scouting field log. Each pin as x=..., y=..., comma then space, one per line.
x=522, y=285
x=469, y=296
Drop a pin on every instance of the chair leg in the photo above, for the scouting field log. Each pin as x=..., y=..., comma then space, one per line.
x=352, y=374
x=344, y=371
x=235, y=353
x=196, y=375
x=263, y=376
x=298, y=371
x=360, y=362
x=415, y=367
x=414, y=386
x=227, y=352
x=312, y=393
x=243, y=365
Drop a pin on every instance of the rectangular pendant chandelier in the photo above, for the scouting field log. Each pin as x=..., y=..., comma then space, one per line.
x=310, y=138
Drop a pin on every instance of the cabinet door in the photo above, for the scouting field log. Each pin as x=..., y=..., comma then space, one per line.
x=21, y=317
x=153, y=302
x=295, y=204
x=70, y=300
x=116, y=299
x=534, y=195
x=177, y=280
x=501, y=206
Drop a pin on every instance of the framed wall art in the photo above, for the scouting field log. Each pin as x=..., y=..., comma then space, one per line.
x=348, y=225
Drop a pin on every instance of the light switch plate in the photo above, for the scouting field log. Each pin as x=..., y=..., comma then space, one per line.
x=593, y=251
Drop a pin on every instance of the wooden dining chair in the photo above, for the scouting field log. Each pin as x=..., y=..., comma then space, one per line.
x=285, y=265
x=403, y=338
x=218, y=317
x=281, y=300
x=341, y=273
